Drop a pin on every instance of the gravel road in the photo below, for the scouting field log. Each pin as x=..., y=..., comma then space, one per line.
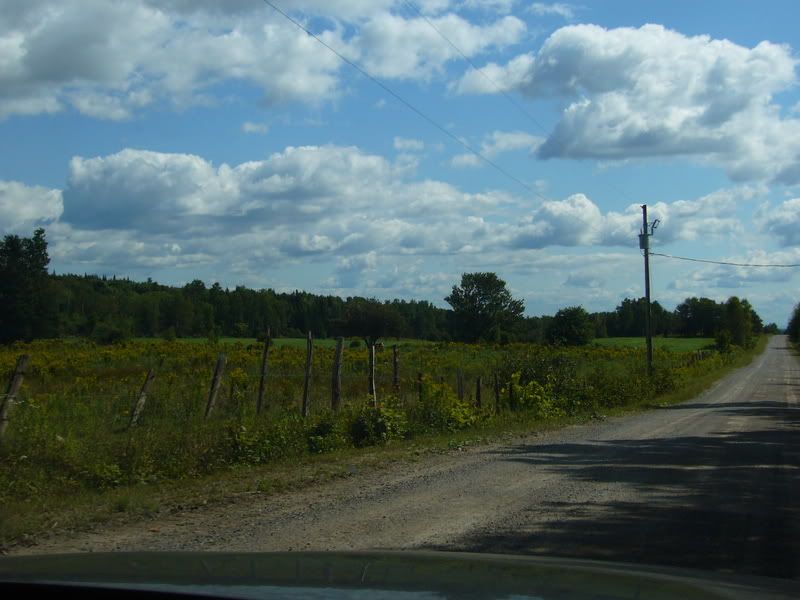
x=712, y=483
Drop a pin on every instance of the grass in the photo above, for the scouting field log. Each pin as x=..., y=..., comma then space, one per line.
x=23, y=519
x=674, y=344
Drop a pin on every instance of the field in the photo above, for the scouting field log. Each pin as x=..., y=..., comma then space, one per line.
x=69, y=432
x=673, y=344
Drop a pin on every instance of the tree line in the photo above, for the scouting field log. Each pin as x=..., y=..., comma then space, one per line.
x=37, y=304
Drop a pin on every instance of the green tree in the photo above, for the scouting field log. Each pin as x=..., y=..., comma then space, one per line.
x=571, y=326
x=794, y=325
x=27, y=308
x=370, y=320
x=483, y=308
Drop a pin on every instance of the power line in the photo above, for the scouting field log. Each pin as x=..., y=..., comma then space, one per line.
x=722, y=262
x=494, y=84
x=408, y=104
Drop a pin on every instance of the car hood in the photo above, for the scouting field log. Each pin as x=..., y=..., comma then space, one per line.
x=412, y=574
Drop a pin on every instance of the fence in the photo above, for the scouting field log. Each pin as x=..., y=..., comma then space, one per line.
x=248, y=379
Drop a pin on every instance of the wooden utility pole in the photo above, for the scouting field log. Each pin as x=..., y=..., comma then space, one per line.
x=644, y=245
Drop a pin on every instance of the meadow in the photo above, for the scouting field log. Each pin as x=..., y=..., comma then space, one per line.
x=69, y=431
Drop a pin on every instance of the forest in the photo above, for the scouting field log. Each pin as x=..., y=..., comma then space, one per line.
x=38, y=304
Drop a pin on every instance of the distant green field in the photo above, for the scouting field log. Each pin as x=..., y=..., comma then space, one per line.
x=674, y=344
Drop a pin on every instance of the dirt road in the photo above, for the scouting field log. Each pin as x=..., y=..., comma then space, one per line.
x=713, y=483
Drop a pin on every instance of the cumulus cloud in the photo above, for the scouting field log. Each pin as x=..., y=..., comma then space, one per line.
x=424, y=52
x=496, y=143
x=783, y=222
x=109, y=59
x=650, y=91
x=23, y=207
x=577, y=221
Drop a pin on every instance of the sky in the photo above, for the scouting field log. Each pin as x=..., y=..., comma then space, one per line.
x=216, y=140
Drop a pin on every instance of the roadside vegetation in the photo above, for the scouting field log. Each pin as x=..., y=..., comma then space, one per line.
x=69, y=441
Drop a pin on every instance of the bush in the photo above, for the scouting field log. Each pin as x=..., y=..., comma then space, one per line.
x=440, y=410
x=328, y=434
x=536, y=398
x=375, y=425
x=355, y=344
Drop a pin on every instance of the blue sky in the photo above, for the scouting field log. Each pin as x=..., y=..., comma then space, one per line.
x=207, y=139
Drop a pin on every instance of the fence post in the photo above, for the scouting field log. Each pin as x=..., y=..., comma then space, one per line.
x=396, y=371
x=373, y=397
x=512, y=403
x=419, y=386
x=307, y=382
x=12, y=390
x=478, y=383
x=336, y=383
x=262, y=382
x=496, y=394
x=137, y=411
x=460, y=384
x=215, y=382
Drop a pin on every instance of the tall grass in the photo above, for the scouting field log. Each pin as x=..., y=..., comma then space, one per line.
x=69, y=433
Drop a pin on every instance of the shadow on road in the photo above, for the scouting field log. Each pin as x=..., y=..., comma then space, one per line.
x=725, y=502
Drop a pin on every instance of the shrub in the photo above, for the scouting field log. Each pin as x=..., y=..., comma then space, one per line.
x=328, y=434
x=440, y=409
x=374, y=425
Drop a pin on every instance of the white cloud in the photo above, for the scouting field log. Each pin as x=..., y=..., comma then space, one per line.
x=496, y=143
x=109, y=59
x=559, y=9
x=258, y=128
x=23, y=207
x=634, y=93
x=424, y=52
x=577, y=221
x=408, y=144
x=783, y=222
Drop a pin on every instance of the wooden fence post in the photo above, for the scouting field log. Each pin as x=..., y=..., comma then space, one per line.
x=496, y=394
x=137, y=411
x=478, y=383
x=12, y=390
x=336, y=382
x=373, y=397
x=215, y=382
x=307, y=382
x=419, y=386
x=460, y=384
x=512, y=403
x=262, y=382
x=396, y=371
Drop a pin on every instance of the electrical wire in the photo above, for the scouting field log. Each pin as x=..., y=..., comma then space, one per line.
x=405, y=102
x=479, y=70
x=722, y=262
x=495, y=85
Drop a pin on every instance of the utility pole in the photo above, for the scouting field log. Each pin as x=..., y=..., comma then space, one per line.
x=644, y=244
